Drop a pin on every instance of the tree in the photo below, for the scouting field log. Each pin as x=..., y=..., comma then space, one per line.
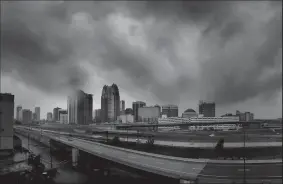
x=219, y=148
x=115, y=141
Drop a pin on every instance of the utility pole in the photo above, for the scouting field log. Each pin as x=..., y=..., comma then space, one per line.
x=50, y=153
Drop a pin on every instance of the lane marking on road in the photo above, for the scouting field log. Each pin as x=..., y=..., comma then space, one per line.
x=159, y=162
x=242, y=170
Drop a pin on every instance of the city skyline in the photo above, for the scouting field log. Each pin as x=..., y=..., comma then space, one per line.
x=184, y=64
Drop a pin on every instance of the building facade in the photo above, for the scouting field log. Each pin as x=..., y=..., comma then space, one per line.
x=56, y=114
x=202, y=120
x=129, y=111
x=189, y=113
x=27, y=116
x=63, y=116
x=97, y=115
x=80, y=107
x=136, y=106
x=6, y=121
x=207, y=109
x=37, y=113
x=19, y=113
x=122, y=106
x=245, y=116
x=126, y=118
x=148, y=114
x=110, y=103
x=170, y=110
x=49, y=116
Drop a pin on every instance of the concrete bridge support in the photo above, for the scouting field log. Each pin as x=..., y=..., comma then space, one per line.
x=75, y=157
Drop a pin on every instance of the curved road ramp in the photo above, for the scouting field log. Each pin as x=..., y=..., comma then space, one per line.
x=182, y=169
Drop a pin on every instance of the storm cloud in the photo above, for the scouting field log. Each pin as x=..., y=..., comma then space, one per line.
x=223, y=51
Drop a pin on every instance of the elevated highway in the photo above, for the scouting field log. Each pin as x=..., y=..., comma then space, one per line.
x=173, y=167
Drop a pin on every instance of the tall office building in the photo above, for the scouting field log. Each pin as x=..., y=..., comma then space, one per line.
x=6, y=122
x=136, y=106
x=97, y=115
x=80, y=107
x=122, y=105
x=18, y=113
x=110, y=103
x=207, y=109
x=170, y=110
x=37, y=113
x=27, y=116
x=49, y=116
x=56, y=114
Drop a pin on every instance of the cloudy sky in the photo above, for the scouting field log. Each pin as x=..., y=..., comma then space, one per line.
x=157, y=52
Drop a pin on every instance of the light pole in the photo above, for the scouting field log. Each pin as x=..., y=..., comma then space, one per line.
x=244, y=155
x=50, y=153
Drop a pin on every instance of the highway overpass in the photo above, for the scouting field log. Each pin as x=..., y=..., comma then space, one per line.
x=221, y=171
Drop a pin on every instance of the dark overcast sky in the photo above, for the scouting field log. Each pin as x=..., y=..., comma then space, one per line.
x=157, y=52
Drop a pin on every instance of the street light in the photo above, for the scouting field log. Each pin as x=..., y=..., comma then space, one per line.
x=50, y=153
x=244, y=154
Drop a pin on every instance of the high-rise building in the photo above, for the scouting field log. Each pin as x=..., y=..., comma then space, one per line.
x=49, y=116
x=27, y=116
x=207, y=109
x=97, y=115
x=80, y=107
x=6, y=121
x=122, y=106
x=136, y=106
x=110, y=103
x=19, y=113
x=56, y=114
x=170, y=110
x=37, y=113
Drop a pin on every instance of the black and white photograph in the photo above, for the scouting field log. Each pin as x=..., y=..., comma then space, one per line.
x=141, y=92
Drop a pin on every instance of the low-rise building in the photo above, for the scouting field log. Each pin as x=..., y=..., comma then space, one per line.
x=203, y=120
x=126, y=118
x=148, y=114
x=63, y=116
x=189, y=113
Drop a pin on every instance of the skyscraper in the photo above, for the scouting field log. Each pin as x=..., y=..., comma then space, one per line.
x=110, y=103
x=170, y=110
x=122, y=106
x=6, y=121
x=80, y=107
x=136, y=106
x=56, y=114
x=37, y=113
x=18, y=113
x=97, y=115
x=207, y=109
x=27, y=116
